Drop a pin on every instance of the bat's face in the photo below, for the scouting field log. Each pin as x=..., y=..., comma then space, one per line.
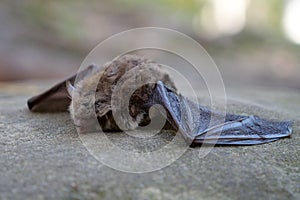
x=127, y=82
x=82, y=106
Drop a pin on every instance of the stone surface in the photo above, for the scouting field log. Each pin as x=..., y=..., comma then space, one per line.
x=42, y=157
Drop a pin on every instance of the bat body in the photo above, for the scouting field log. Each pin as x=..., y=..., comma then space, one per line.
x=92, y=95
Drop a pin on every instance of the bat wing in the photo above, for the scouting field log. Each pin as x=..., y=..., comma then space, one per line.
x=199, y=125
x=248, y=130
x=57, y=98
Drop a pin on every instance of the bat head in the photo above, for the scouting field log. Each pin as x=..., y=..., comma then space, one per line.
x=126, y=82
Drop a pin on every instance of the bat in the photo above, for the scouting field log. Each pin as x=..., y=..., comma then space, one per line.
x=92, y=95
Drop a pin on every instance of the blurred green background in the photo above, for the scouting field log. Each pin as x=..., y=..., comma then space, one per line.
x=253, y=42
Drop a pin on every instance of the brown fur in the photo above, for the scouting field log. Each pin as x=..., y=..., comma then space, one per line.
x=92, y=96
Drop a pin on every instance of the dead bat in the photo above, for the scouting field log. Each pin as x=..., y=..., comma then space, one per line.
x=91, y=96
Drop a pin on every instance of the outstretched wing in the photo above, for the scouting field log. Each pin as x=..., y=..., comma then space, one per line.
x=57, y=98
x=248, y=130
x=200, y=125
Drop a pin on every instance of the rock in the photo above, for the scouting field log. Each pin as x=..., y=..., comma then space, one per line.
x=42, y=157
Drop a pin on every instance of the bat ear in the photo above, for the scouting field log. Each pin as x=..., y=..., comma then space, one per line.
x=70, y=88
x=58, y=97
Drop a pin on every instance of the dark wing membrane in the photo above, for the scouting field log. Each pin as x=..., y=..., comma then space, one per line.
x=232, y=142
x=56, y=99
x=199, y=125
x=246, y=131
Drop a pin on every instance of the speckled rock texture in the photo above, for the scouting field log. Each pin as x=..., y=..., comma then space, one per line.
x=42, y=157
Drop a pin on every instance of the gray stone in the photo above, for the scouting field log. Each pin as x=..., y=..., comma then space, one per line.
x=42, y=157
